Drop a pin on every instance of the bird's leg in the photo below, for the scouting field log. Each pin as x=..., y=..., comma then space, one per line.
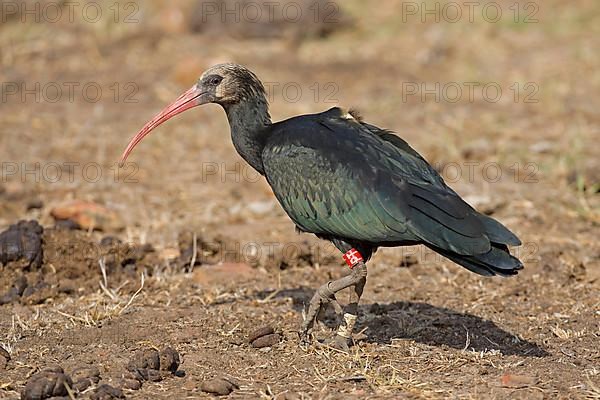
x=343, y=339
x=351, y=311
x=323, y=296
x=326, y=294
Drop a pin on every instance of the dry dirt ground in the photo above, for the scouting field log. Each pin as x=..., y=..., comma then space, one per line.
x=429, y=329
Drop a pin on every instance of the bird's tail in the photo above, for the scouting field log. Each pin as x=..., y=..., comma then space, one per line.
x=497, y=261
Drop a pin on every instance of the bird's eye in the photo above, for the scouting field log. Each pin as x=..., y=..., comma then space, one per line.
x=215, y=80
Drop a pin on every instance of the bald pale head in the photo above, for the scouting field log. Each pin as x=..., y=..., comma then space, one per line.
x=230, y=84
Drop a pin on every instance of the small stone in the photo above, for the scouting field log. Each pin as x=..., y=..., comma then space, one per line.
x=132, y=384
x=147, y=358
x=145, y=365
x=88, y=215
x=218, y=386
x=169, y=359
x=263, y=331
x=22, y=241
x=266, y=341
x=85, y=376
x=107, y=392
x=46, y=383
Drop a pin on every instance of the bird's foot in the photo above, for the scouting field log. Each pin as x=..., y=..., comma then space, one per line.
x=305, y=340
x=343, y=338
x=318, y=304
x=338, y=342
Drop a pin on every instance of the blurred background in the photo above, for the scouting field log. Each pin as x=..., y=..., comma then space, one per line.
x=501, y=97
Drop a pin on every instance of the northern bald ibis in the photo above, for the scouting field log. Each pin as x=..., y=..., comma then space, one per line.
x=350, y=182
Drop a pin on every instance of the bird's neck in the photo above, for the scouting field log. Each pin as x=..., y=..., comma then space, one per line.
x=249, y=122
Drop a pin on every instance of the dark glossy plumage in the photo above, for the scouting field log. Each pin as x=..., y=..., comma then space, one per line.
x=345, y=180
x=361, y=186
x=349, y=182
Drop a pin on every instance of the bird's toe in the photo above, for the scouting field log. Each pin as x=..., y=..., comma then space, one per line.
x=305, y=339
x=338, y=342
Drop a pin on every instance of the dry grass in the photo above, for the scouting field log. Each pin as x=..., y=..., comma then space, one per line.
x=106, y=304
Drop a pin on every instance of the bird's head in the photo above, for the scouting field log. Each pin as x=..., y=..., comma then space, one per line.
x=224, y=84
x=228, y=84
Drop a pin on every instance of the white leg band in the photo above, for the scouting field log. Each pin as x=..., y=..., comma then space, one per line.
x=345, y=329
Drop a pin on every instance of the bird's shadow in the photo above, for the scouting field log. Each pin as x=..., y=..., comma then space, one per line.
x=424, y=323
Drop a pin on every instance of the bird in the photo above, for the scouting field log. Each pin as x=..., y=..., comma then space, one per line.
x=349, y=182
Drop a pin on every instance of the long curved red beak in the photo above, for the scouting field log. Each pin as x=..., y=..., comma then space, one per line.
x=191, y=98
